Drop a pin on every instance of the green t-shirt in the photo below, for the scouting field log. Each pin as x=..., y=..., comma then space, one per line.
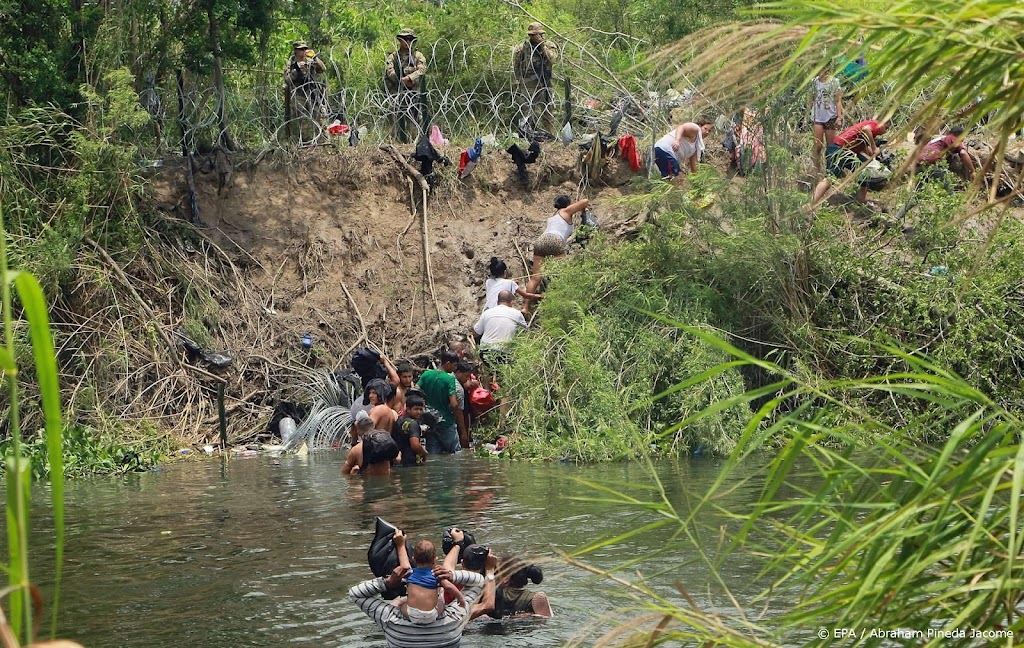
x=438, y=386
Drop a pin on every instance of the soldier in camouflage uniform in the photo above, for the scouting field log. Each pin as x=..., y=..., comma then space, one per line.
x=306, y=90
x=404, y=72
x=532, y=63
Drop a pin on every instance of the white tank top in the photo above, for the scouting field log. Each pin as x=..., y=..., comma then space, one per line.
x=557, y=226
x=686, y=147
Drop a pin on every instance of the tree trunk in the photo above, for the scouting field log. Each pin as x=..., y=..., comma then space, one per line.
x=224, y=140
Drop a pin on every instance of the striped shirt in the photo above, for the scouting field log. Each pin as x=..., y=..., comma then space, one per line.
x=446, y=632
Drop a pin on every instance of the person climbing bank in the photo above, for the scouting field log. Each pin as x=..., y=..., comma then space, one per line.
x=682, y=145
x=552, y=243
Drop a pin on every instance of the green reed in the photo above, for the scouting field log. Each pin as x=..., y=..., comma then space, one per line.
x=19, y=472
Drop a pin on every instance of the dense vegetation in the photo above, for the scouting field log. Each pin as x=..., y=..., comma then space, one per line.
x=809, y=293
x=818, y=296
x=826, y=295
x=91, y=90
x=828, y=318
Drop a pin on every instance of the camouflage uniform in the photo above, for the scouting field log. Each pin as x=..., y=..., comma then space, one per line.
x=306, y=91
x=532, y=65
x=404, y=103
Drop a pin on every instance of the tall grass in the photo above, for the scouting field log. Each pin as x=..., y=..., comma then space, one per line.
x=18, y=466
x=892, y=535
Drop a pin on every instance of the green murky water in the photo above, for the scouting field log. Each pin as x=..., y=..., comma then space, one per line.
x=260, y=552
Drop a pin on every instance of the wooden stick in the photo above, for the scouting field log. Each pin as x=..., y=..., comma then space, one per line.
x=359, y=314
x=408, y=168
x=426, y=258
x=522, y=257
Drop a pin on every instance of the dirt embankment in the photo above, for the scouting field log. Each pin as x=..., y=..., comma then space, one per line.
x=326, y=243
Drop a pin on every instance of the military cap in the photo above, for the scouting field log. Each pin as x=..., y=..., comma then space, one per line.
x=299, y=44
x=407, y=33
x=535, y=28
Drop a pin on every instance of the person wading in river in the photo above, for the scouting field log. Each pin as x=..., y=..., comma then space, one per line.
x=408, y=435
x=441, y=391
x=374, y=451
x=405, y=383
x=445, y=632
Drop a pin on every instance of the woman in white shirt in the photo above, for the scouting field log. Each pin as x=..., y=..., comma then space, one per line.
x=684, y=143
x=826, y=111
x=552, y=242
x=500, y=281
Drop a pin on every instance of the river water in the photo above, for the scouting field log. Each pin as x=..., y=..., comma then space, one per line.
x=261, y=551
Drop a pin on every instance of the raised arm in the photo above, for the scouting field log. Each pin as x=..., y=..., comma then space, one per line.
x=401, y=550
x=576, y=207
x=319, y=64
x=392, y=372
x=451, y=559
x=472, y=583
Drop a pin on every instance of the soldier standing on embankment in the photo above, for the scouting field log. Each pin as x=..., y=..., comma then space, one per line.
x=404, y=70
x=306, y=90
x=532, y=63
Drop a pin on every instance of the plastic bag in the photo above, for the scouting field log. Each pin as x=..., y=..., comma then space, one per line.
x=567, y=133
x=382, y=555
x=436, y=138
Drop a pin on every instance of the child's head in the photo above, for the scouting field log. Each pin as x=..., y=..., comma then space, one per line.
x=424, y=554
x=414, y=407
x=497, y=268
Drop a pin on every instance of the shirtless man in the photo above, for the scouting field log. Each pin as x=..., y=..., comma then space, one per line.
x=374, y=452
x=405, y=383
x=383, y=414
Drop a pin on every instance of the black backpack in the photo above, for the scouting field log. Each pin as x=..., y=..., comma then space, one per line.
x=378, y=447
x=366, y=363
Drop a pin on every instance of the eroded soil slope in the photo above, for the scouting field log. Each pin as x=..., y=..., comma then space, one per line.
x=315, y=244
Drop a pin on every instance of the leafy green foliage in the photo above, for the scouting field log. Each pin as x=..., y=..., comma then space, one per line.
x=18, y=470
x=64, y=180
x=898, y=535
x=88, y=452
x=583, y=384
x=39, y=55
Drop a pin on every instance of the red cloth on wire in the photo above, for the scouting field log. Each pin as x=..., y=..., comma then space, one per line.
x=629, y=151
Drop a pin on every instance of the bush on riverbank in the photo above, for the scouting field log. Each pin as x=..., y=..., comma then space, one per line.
x=822, y=296
x=582, y=385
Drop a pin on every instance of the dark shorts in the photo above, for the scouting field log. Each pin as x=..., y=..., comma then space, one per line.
x=840, y=161
x=443, y=438
x=494, y=356
x=832, y=124
x=667, y=164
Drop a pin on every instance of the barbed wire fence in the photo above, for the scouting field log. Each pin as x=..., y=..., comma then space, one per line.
x=470, y=91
